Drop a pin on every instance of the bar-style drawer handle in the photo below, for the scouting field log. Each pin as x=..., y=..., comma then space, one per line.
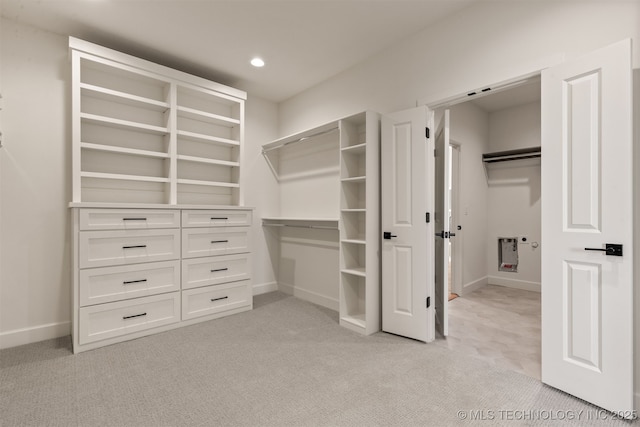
x=128, y=282
x=135, y=315
x=219, y=269
x=134, y=246
x=134, y=219
x=222, y=217
x=218, y=299
x=219, y=241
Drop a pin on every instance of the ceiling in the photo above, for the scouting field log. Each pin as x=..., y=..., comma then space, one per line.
x=303, y=42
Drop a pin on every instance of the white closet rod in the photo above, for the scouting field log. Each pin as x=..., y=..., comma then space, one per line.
x=295, y=141
x=322, y=227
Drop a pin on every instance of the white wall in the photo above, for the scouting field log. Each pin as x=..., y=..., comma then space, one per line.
x=35, y=186
x=514, y=196
x=487, y=43
x=470, y=130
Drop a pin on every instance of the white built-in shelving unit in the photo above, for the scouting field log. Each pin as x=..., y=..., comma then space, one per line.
x=143, y=133
x=160, y=235
x=360, y=223
x=356, y=211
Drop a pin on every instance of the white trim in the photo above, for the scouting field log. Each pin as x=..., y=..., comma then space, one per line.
x=313, y=297
x=104, y=52
x=515, y=283
x=34, y=334
x=263, y=288
x=457, y=95
x=475, y=285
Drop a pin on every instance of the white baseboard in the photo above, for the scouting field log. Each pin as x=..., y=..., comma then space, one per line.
x=310, y=296
x=475, y=285
x=514, y=283
x=34, y=334
x=263, y=288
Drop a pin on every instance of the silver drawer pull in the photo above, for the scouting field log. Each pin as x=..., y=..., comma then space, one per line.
x=134, y=219
x=135, y=315
x=218, y=299
x=222, y=217
x=128, y=282
x=134, y=246
x=219, y=241
x=219, y=269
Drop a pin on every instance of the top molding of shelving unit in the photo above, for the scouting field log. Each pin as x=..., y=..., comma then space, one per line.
x=94, y=49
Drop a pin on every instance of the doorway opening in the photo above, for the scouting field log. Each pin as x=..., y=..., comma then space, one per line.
x=497, y=314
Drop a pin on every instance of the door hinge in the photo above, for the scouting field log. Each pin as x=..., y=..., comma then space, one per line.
x=428, y=217
x=428, y=302
x=426, y=133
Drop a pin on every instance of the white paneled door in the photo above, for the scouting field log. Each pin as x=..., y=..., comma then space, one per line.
x=407, y=244
x=587, y=281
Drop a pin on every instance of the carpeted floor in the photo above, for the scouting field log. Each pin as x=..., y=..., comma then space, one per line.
x=286, y=363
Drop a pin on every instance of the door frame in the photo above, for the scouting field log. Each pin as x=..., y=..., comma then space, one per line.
x=457, y=242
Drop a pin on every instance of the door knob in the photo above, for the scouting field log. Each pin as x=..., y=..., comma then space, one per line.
x=610, y=249
x=387, y=235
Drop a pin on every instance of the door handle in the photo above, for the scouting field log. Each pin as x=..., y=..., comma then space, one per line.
x=610, y=249
x=452, y=234
x=387, y=235
x=443, y=234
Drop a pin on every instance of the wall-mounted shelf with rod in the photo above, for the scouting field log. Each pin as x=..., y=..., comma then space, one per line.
x=313, y=223
x=504, y=159
x=509, y=155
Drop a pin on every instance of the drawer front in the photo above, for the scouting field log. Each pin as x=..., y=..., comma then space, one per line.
x=215, y=299
x=198, y=218
x=128, y=219
x=197, y=272
x=105, y=248
x=108, y=284
x=199, y=242
x=99, y=322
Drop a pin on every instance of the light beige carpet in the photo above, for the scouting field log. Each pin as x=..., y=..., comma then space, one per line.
x=286, y=363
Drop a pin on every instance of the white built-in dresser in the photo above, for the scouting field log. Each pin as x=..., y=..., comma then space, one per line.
x=161, y=238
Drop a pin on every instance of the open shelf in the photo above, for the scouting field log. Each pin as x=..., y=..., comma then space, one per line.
x=139, y=122
x=119, y=123
x=123, y=150
x=122, y=97
x=206, y=138
x=123, y=177
x=207, y=117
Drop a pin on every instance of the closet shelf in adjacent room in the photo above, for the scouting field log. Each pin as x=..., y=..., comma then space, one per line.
x=510, y=155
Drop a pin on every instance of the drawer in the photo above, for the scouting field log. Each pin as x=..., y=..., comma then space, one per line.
x=99, y=322
x=105, y=248
x=215, y=299
x=215, y=218
x=128, y=219
x=107, y=284
x=199, y=242
x=215, y=270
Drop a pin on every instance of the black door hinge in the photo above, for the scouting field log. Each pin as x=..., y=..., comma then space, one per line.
x=428, y=302
x=428, y=217
x=426, y=133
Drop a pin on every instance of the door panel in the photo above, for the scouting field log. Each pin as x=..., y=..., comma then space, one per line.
x=442, y=225
x=587, y=296
x=407, y=272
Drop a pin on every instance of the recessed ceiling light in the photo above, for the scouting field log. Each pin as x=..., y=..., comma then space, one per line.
x=257, y=62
